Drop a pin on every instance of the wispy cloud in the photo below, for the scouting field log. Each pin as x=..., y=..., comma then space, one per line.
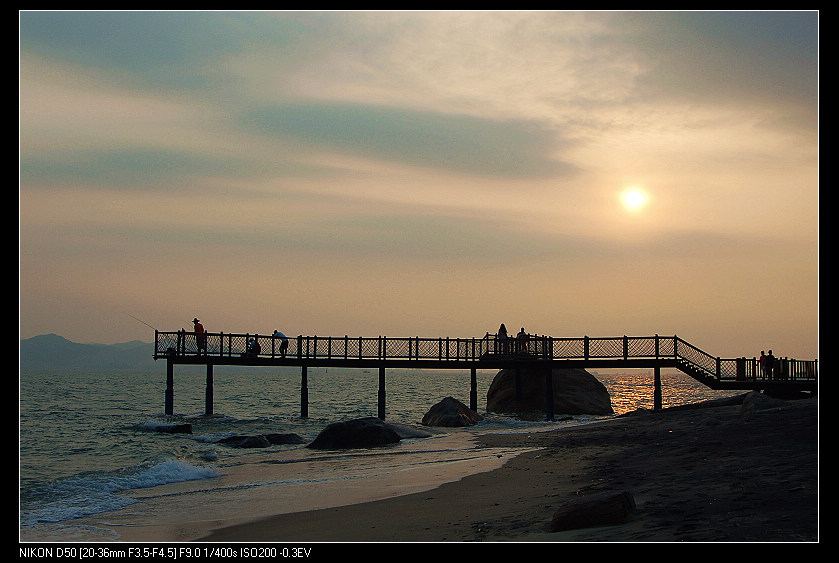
x=459, y=143
x=467, y=150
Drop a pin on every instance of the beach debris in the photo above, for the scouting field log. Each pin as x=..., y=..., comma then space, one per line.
x=575, y=391
x=450, y=412
x=605, y=509
x=367, y=432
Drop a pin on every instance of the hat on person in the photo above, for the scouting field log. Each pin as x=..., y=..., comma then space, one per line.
x=195, y=320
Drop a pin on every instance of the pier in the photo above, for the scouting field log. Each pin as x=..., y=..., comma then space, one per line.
x=536, y=352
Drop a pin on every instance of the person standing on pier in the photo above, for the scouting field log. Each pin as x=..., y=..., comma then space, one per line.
x=200, y=335
x=521, y=341
x=502, y=338
x=283, y=344
x=770, y=364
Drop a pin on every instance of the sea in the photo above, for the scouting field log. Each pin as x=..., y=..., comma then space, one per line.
x=89, y=441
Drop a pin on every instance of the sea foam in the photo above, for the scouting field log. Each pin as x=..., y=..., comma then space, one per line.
x=79, y=496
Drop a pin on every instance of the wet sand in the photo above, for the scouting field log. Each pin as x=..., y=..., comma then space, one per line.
x=729, y=473
x=260, y=485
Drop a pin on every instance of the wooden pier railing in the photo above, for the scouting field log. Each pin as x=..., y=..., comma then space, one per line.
x=486, y=352
x=545, y=352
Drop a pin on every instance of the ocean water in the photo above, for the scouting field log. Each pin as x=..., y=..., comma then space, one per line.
x=90, y=440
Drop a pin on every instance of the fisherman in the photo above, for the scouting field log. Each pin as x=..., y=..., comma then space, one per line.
x=283, y=344
x=253, y=347
x=200, y=335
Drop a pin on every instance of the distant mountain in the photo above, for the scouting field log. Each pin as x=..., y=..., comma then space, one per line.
x=53, y=352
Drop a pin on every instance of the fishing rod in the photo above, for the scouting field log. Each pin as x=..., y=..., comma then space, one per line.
x=140, y=320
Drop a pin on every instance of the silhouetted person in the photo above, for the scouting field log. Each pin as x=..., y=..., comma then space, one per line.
x=253, y=347
x=283, y=343
x=502, y=338
x=200, y=336
x=521, y=341
x=770, y=364
x=763, y=363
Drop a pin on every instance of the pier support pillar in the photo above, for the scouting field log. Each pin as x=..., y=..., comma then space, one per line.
x=169, y=401
x=549, y=393
x=208, y=393
x=381, y=393
x=657, y=388
x=304, y=392
x=473, y=391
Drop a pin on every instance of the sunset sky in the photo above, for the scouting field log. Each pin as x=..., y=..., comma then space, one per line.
x=422, y=174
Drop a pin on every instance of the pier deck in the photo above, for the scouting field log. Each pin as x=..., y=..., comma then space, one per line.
x=488, y=352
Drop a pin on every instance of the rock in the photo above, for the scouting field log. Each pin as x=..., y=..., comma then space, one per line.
x=260, y=440
x=366, y=432
x=754, y=402
x=597, y=510
x=284, y=439
x=407, y=432
x=245, y=441
x=174, y=428
x=450, y=412
x=575, y=391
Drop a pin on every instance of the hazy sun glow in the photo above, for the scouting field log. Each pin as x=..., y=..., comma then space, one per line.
x=420, y=158
x=634, y=198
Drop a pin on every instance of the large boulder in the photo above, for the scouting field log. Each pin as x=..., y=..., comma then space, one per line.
x=366, y=432
x=575, y=391
x=450, y=412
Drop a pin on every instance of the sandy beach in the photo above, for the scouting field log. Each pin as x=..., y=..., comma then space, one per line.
x=721, y=474
x=729, y=473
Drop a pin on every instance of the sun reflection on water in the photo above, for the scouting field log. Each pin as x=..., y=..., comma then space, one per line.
x=634, y=390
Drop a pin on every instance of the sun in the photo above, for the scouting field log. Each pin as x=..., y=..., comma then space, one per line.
x=634, y=199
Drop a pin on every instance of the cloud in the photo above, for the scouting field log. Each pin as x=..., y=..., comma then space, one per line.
x=117, y=168
x=148, y=167
x=724, y=57
x=141, y=48
x=458, y=143
x=286, y=156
